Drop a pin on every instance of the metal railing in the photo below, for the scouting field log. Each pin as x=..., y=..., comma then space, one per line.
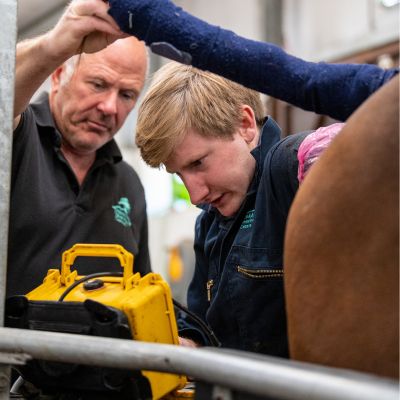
x=245, y=372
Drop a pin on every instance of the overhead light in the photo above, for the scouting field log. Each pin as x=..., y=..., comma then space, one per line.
x=389, y=3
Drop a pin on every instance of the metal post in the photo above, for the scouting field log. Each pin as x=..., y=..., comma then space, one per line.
x=8, y=37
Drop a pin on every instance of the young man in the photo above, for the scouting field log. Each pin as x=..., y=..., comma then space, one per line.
x=212, y=133
x=69, y=183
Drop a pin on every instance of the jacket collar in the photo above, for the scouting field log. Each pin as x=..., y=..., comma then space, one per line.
x=270, y=135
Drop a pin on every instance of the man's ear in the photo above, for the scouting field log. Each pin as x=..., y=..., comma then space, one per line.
x=56, y=78
x=248, y=127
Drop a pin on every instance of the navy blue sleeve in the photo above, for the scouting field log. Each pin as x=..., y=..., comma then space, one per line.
x=330, y=89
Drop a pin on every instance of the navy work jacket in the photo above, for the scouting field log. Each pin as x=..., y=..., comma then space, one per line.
x=237, y=288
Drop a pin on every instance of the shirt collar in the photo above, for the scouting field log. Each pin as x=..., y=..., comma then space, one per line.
x=110, y=152
x=41, y=108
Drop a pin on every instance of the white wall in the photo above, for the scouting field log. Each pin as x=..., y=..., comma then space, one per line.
x=324, y=29
x=243, y=17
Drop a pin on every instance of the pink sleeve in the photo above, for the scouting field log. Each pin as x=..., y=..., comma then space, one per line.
x=313, y=146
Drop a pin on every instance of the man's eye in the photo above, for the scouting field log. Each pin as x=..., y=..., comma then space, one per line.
x=196, y=163
x=128, y=95
x=97, y=85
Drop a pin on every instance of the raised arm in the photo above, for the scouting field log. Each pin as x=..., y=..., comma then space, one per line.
x=332, y=89
x=85, y=26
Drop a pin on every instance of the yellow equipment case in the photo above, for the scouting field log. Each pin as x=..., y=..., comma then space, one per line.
x=124, y=306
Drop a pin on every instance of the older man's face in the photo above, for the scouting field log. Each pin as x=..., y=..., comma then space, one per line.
x=94, y=103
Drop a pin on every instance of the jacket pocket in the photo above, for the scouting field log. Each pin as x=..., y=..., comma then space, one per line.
x=254, y=277
x=265, y=273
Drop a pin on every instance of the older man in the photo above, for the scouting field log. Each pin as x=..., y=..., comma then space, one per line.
x=69, y=183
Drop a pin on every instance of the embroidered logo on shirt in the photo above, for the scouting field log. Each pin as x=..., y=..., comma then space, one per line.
x=248, y=220
x=121, y=212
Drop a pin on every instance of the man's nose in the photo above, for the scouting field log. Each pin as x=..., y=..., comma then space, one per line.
x=197, y=188
x=108, y=103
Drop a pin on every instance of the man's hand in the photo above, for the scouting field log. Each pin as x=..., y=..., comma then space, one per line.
x=84, y=27
x=187, y=342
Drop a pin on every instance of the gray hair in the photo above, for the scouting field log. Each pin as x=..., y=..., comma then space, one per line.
x=69, y=69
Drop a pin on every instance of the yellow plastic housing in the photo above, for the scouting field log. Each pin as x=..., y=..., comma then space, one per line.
x=146, y=302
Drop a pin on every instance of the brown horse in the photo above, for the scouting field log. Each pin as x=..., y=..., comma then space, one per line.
x=342, y=247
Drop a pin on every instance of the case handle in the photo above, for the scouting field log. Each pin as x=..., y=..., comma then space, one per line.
x=97, y=250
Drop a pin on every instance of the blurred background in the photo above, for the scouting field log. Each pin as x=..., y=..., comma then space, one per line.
x=359, y=31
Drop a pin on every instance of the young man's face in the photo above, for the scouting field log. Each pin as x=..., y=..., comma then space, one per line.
x=214, y=170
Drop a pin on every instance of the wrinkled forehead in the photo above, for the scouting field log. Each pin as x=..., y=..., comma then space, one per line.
x=112, y=72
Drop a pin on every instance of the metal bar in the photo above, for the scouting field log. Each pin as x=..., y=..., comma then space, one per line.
x=8, y=21
x=255, y=374
x=8, y=37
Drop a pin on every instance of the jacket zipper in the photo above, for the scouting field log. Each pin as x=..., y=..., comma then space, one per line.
x=209, y=285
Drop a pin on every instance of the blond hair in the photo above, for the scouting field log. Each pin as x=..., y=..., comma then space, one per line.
x=182, y=97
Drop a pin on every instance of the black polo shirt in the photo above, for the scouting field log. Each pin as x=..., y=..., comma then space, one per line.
x=50, y=212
